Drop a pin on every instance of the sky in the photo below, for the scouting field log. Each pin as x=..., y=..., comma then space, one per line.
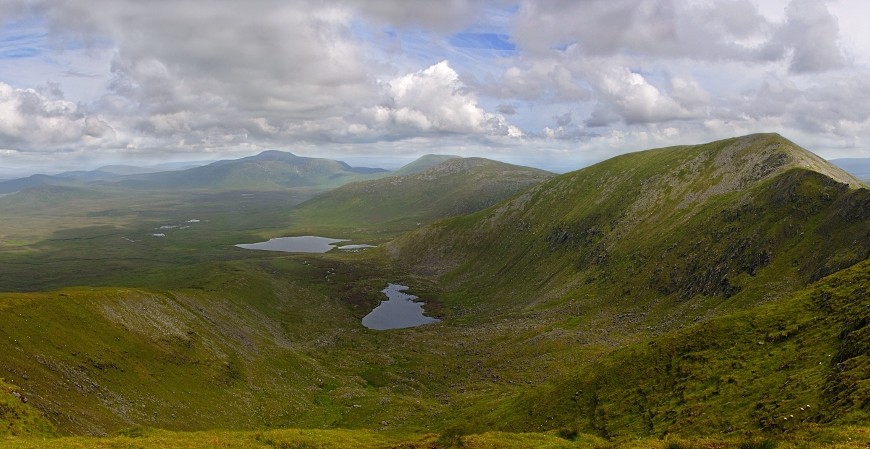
x=556, y=84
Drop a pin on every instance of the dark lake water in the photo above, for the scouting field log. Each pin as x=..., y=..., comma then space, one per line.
x=304, y=244
x=397, y=312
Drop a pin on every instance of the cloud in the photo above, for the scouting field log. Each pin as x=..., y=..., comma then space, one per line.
x=704, y=31
x=507, y=109
x=536, y=79
x=564, y=119
x=444, y=16
x=811, y=33
x=436, y=100
x=43, y=119
x=636, y=100
x=191, y=78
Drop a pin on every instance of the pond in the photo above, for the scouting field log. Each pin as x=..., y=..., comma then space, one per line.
x=397, y=312
x=304, y=244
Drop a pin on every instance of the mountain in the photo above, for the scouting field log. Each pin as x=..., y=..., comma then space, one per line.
x=422, y=163
x=455, y=186
x=14, y=185
x=267, y=170
x=127, y=169
x=72, y=178
x=719, y=211
x=631, y=252
x=860, y=167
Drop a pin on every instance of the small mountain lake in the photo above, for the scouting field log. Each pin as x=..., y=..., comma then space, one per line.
x=304, y=244
x=397, y=312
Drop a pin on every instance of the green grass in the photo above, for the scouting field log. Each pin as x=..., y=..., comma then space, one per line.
x=836, y=438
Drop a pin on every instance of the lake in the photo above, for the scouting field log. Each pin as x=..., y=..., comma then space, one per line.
x=398, y=311
x=304, y=244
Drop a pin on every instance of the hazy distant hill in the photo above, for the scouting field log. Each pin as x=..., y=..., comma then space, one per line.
x=267, y=170
x=14, y=185
x=455, y=186
x=107, y=173
x=422, y=163
x=128, y=169
x=860, y=167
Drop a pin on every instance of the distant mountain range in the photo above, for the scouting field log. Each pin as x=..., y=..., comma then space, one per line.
x=270, y=169
x=859, y=167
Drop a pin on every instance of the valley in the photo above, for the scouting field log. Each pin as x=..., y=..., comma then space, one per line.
x=711, y=295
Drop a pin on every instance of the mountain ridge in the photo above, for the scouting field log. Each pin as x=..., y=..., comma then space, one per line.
x=585, y=218
x=393, y=204
x=422, y=163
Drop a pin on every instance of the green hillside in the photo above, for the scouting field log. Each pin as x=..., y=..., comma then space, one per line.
x=732, y=220
x=387, y=206
x=642, y=246
x=17, y=418
x=777, y=367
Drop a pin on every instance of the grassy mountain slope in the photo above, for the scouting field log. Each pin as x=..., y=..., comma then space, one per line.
x=17, y=418
x=456, y=186
x=267, y=170
x=239, y=347
x=422, y=163
x=778, y=367
x=727, y=219
x=644, y=245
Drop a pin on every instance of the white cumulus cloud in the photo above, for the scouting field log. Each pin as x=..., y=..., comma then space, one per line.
x=435, y=99
x=42, y=117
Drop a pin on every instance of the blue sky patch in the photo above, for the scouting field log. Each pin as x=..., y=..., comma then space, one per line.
x=483, y=41
x=22, y=39
x=18, y=53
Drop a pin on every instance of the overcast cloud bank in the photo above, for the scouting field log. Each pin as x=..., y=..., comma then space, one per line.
x=555, y=84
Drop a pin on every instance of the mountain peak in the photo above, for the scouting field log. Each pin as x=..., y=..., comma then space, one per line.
x=757, y=156
x=274, y=155
x=422, y=163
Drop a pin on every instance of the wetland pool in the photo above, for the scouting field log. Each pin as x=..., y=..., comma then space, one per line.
x=397, y=312
x=303, y=244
